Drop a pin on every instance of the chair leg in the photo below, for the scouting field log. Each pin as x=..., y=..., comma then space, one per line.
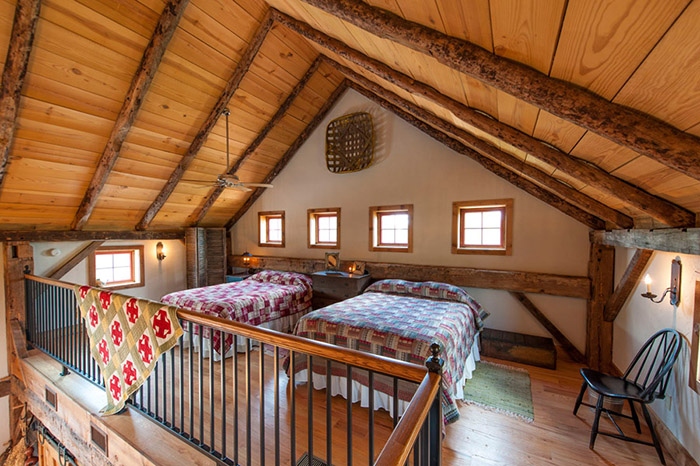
x=580, y=397
x=596, y=421
x=635, y=418
x=657, y=445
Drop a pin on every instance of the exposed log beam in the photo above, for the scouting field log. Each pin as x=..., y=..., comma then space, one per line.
x=417, y=117
x=19, y=340
x=658, y=208
x=565, y=343
x=231, y=87
x=627, y=284
x=167, y=23
x=76, y=259
x=16, y=62
x=5, y=386
x=301, y=139
x=516, y=165
x=526, y=282
x=638, y=131
x=216, y=192
x=679, y=240
x=599, y=333
x=89, y=235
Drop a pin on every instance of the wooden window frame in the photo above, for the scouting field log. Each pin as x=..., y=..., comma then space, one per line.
x=694, y=375
x=375, y=214
x=312, y=216
x=458, y=211
x=92, y=275
x=264, y=216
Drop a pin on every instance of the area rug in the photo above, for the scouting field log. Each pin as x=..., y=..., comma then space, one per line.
x=501, y=388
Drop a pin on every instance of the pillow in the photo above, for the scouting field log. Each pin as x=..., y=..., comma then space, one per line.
x=433, y=290
x=282, y=278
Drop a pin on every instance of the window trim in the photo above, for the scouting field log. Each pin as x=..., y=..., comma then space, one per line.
x=374, y=222
x=458, y=210
x=92, y=274
x=311, y=218
x=694, y=374
x=265, y=216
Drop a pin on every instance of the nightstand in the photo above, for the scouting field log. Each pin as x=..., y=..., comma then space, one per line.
x=331, y=287
x=237, y=277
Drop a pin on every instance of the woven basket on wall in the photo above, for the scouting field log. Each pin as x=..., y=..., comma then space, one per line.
x=350, y=143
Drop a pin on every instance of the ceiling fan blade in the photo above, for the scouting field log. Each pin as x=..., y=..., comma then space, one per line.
x=240, y=187
x=257, y=185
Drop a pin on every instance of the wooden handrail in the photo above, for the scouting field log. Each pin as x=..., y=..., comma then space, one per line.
x=381, y=364
x=399, y=445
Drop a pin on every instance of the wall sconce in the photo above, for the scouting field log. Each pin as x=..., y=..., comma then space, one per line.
x=674, y=289
x=160, y=255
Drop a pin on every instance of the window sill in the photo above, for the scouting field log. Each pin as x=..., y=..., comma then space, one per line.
x=488, y=252
x=324, y=246
x=123, y=286
x=390, y=249
x=271, y=245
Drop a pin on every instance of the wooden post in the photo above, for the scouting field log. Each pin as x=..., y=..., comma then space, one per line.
x=18, y=257
x=599, y=333
x=167, y=23
x=16, y=62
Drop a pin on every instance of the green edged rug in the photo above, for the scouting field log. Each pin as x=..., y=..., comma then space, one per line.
x=500, y=388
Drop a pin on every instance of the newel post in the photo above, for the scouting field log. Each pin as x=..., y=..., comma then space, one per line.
x=434, y=364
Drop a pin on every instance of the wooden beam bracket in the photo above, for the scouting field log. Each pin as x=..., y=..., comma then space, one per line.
x=76, y=259
x=627, y=284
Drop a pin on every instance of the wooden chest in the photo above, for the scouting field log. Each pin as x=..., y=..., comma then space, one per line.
x=331, y=287
x=516, y=347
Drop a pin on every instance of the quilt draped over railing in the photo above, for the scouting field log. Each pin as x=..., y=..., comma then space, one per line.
x=127, y=336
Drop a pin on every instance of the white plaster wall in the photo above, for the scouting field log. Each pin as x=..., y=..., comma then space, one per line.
x=640, y=318
x=412, y=168
x=4, y=402
x=162, y=277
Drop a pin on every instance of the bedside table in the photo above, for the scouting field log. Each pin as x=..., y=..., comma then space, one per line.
x=237, y=277
x=331, y=287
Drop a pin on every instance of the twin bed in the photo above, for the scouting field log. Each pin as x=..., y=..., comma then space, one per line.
x=393, y=318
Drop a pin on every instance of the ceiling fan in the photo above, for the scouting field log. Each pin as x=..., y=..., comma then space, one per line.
x=227, y=180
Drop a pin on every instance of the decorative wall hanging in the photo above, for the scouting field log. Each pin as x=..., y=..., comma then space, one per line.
x=350, y=143
x=332, y=261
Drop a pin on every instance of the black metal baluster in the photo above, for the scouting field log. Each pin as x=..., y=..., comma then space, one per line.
x=235, y=399
x=181, y=350
x=201, y=384
x=222, y=339
x=148, y=395
x=348, y=375
x=329, y=427
x=248, y=455
x=190, y=376
x=261, y=371
x=172, y=387
x=155, y=383
x=277, y=406
x=165, y=388
x=212, y=429
x=293, y=433
x=416, y=451
x=371, y=418
x=310, y=406
x=396, y=401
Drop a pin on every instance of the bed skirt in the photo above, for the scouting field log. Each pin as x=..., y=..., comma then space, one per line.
x=360, y=392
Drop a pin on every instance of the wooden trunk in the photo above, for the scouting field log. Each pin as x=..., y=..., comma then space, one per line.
x=526, y=349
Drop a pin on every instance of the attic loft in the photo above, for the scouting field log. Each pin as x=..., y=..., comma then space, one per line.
x=526, y=164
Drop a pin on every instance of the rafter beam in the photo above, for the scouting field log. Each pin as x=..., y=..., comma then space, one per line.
x=658, y=208
x=424, y=121
x=627, y=284
x=623, y=125
x=567, y=193
x=208, y=125
x=678, y=240
x=16, y=62
x=291, y=151
x=281, y=111
x=565, y=343
x=167, y=23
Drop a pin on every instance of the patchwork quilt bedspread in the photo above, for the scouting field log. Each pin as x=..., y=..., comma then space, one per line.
x=263, y=297
x=401, y=320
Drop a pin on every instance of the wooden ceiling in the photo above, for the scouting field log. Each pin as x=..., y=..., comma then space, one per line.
x=637, y=53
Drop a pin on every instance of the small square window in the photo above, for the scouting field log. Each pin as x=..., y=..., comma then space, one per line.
x=117, y=267
x=324, y=228
x=694, y=376
x=271, y=229
x=391, y=228
x=482, y=227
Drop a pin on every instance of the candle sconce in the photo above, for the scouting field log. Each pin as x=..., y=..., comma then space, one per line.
x=674, y=289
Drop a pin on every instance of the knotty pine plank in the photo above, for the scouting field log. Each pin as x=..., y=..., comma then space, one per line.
x=602, y=152
x=557, y=132
x=469, y=20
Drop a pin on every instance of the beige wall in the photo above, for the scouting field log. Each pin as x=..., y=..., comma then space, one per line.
x=4, y=402
x=640, y=318
x=162, y=277
x=412, y=168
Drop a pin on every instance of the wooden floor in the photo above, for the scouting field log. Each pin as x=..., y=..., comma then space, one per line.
x=480, y=437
